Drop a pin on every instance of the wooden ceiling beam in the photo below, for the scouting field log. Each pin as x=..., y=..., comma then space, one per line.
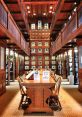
x=12, y=2
x=66, y=11
x=40, y=3
x=71, y=1
x=56, y=15
x=15, y=12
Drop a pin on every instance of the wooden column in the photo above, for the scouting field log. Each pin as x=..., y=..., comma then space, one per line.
x=13, y=66
x=8, y=68
x=79, y=43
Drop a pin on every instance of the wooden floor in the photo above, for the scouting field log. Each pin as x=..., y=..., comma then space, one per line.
x=70, y=98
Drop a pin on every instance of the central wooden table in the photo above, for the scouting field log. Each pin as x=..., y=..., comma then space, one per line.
x=38, y=91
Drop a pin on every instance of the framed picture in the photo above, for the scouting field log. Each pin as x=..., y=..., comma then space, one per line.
x=39, y=50
x=39, y=62
x=53, y=57
x=26, y=67
x=33, y=62
x=39, y=57
x=46, y=43
x=39, y=43
x=26, y=62
x=46, y=50
x=46, y=62
x=33, y=58
x=32, y=44
x=33, y=50
x=26, y=58
x=46, y=57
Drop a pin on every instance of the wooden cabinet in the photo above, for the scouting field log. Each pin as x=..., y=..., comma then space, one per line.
x=2, y=81
x=40, y=52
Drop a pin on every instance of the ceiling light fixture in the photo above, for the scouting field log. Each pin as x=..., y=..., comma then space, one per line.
x=44, y=13
x=51, y=7
x=28, y=7
x=50, y=11
x=34, y=14
x=28, y=11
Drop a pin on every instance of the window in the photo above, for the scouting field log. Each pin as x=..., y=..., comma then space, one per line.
x=33, y=26
x=39, y=24
x=46, y=26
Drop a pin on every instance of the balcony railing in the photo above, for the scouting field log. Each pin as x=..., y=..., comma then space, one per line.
x=13, y=32
x=12, y=28
x=3, y=16
x=80, y=16
x=68, y=31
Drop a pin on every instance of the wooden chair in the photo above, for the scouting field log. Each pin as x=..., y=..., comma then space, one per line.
x=24, y=96
x=55, y=92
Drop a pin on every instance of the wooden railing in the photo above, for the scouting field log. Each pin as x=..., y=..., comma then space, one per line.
x=12, y=30
x=69, y=32
x=3, y=16
x=80, y=16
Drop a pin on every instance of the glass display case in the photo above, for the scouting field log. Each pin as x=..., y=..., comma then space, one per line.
x=76, y=81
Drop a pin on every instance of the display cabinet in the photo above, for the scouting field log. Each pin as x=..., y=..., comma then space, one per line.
x=76, y=81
